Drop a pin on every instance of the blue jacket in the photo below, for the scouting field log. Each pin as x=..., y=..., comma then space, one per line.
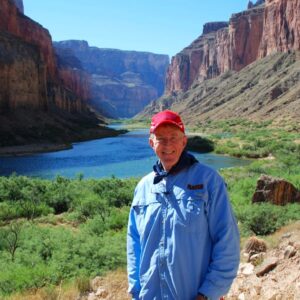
x=182, y=237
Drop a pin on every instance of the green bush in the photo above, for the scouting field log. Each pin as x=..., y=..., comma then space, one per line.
x=265, y=218
x=95, y=226
x=60, y=194
x=200, y=144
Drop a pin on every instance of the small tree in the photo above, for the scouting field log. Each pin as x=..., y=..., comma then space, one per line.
x=11, y=238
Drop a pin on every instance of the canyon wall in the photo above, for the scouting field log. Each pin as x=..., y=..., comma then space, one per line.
x=22, y=75
x=263, y=29
x=28, y=66
x=281, y=27
x=122, y=82
x=199, y=60
x=19, y=4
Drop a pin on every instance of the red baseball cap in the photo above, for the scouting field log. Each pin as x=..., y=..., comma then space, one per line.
x=166, y=117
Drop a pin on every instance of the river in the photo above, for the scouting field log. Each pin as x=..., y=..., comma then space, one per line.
x=128, y=155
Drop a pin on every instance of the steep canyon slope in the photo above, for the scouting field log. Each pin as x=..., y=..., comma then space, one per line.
x=249, y=68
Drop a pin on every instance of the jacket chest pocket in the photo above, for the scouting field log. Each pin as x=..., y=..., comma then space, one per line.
x=190, y=213
x=145, y=215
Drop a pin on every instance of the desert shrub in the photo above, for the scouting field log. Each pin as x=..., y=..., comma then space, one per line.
x=265, y=218
x=94, y=226
x=118, y=218
x=241, y=190
x=200, y=144
x=116, y=191
x=8, y=211
x=60, y=194
x=92, y=205
x=11, y=187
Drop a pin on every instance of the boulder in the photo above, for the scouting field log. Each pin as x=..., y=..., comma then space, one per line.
x=275, y=190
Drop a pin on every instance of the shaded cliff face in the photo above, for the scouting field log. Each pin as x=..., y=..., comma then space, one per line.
x=19, y=4
x=73, y=76
x=22, y=76
x=28, y=31
x=29, y=71
x=252, y=34
x=122, y=82
x=245, y=33
x=40, y=101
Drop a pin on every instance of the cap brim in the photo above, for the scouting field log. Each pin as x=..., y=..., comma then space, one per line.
x=152, y=129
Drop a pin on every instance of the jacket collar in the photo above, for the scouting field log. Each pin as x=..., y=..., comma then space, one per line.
x=185, y=161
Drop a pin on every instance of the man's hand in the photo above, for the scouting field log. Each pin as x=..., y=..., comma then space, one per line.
x=201, y=297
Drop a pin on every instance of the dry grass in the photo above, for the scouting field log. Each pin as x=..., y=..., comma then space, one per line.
x=66, y=292
x=114, y=285
x=274, y=239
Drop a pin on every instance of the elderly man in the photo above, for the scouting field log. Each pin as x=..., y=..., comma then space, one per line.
x=183, y=240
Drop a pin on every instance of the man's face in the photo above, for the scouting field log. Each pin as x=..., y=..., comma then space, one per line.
x=168, y=143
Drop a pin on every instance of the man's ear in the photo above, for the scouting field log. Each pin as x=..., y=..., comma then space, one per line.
x=185, y=139
x=151, y=143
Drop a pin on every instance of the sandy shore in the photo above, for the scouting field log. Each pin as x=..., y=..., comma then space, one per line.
x=31, y=149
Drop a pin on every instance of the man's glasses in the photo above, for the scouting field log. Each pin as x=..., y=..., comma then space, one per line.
x=165, y=141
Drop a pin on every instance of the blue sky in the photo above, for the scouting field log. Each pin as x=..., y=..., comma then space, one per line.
x=158, y=26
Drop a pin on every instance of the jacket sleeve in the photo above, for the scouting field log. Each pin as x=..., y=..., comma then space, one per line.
x=223, y=230
x=133, y=256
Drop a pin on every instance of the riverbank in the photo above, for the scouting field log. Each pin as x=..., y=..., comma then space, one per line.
x=43, y=147
x=32, y=149
x=27, y=132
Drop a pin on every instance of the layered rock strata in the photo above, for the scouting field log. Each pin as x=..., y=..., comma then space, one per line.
x=281, y=27
x=19, y=4
x=28, y=71
x=122, y=82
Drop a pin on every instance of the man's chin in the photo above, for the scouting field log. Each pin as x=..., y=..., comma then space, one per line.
x=168, y=164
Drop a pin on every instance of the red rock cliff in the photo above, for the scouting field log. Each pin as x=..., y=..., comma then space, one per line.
x=245, y=31
x=20, y=5
x=77, y=81
x=22, y=75
x=62, y=88
x=281, y=27
x=200, y=60
x=251, y=34
x=29, y=31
